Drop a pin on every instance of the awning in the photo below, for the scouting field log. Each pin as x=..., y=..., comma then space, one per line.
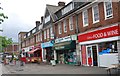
x=32, y=51
x=65, y=45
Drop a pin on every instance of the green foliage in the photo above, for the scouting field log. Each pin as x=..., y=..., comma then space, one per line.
x=4, y=41
x=2, y=16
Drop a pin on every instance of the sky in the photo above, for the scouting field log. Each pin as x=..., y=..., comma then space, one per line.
x=22, y=15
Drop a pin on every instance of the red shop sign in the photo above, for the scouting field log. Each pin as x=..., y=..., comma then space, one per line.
x=99, y=34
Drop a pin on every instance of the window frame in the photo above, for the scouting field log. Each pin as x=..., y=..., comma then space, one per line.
x=83, y=14
x=71, y=22
x=40, y=36
x=105, y=12
x=45, y=34
x=93, y=14
x=51, y=32
x=48, y=33
x=60, y=28
x=65, y=25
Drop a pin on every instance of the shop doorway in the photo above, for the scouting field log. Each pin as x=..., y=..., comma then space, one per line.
x=92, y=55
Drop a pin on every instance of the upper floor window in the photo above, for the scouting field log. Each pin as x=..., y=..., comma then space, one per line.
x=65, y=26
x=85, y=18
x=51, y=32
x=60, y=28
x=33, y=31
x=47, y=19
x=48, y=33
x=40, y=36
x=24, y=36
x=71, y=23
x=108, y=9
x=36, y=38
x=29, y=34
x=45, y=34
x=95, y=14
x=67, y=9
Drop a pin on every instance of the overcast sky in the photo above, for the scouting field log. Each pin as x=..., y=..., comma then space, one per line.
x=22, y=15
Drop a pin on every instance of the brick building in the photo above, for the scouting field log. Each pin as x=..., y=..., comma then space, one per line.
x=86, y=32
x=13, y=48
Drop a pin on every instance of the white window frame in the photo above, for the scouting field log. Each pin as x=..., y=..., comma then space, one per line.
x=93, y=13
x=65, y=25
x=51, y=32
x=105, y=12
x=67, y=9
x=45, y=34
x=48, y=33
x=47, y=19
x=71, y=22
x=60, y=28
x=83, y=14
x=29, y=34
x=33, y=31
x=40, y=36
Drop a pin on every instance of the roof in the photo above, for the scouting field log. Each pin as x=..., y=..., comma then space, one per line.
x=21, y=32
x=52, y=9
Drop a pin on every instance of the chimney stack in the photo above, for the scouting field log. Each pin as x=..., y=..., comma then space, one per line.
x=41, y=19
x=61, y=3
x=37, y=23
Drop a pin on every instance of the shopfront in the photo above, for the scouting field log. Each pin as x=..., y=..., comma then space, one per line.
x=34, y=54
x=100, y=47
x=47, y=52
x=65, y=50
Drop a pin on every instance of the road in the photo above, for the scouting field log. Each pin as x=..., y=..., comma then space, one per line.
x=49, y=69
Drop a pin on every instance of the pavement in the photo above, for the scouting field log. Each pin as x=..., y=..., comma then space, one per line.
x=49, y=69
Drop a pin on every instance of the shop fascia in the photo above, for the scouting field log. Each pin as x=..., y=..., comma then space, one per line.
x=109, y=32
x=47, y=44
x=65, y=42
x=67, y=38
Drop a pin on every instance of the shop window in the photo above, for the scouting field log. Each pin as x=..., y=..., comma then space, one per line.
x=31, y=55
x=27, y=54
x=108, y=47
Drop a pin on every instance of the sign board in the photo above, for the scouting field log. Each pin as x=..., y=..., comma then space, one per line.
x=47, y=44
x=67, y=38
x=99, y=34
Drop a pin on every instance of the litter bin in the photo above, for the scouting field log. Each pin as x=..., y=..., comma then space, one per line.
x=53, y=62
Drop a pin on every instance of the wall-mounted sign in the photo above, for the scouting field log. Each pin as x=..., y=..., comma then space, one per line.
x=99, y=34
x=47, y=44
x=67, y=38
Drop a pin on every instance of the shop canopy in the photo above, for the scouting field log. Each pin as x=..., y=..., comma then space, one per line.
x=32, y=51
x=68, y=45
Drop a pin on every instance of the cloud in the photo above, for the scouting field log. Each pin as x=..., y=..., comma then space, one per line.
x=22, y=15
x=13, y=26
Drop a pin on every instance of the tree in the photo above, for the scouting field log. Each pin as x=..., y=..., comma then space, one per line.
x=2, y=15
x=4, y=42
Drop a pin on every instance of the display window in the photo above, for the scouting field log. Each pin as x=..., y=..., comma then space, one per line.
x=108, y=47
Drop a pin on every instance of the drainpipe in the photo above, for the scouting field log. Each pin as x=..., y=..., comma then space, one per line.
x=77, y=44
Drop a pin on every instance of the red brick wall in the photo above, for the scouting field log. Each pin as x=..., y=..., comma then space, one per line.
x=69, y=32
x=102, y=21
